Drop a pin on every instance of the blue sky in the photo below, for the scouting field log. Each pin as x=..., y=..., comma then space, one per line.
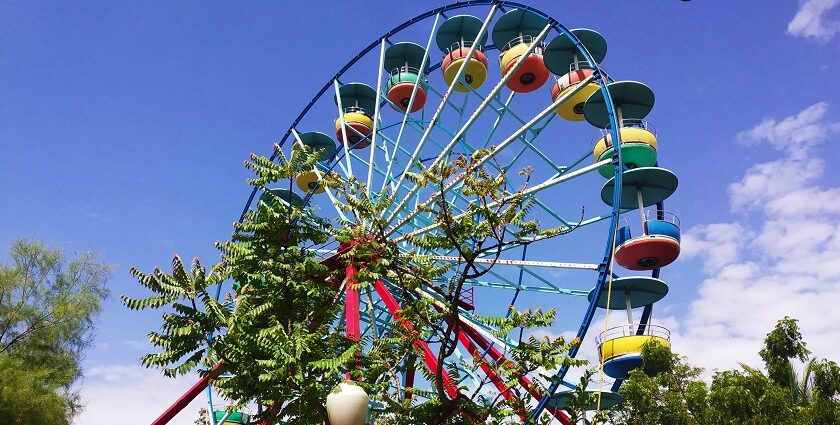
x=124, y=127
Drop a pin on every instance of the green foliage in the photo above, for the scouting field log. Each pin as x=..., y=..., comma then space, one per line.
x=781, y=345
x=747, y=395
x=29, y=395
x=582, y=401
x=278, y=337
x=47, y=312
x=826, y=379
x=656, y=358
x=673, y=396
x=274, y=334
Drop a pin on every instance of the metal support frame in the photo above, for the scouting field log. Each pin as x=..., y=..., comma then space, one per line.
x=428, y=356
x=188, y=396
x=491, y=373
x=413, y=95
x=440, y=108
x=520, y=61
x=485, y=159
x=526, y=383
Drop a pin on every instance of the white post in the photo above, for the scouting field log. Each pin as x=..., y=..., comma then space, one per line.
x=641, y=208
x=376, y=117
x=349, y=171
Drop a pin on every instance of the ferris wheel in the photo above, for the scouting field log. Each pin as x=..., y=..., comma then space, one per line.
x=481, y=74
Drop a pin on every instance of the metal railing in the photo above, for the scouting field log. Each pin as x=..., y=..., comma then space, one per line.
x=463, y=44
x=602, y=133
x=666, y=216
x=221, y=407
x=407, y=70
x=358, y=110
x=564, y=84
x=632, y=329
x=526, y=39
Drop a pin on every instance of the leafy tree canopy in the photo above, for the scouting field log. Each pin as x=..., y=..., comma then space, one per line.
x=47, y=311
x=679, y=395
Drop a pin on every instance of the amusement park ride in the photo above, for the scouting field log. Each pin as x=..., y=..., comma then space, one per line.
x=427, y=106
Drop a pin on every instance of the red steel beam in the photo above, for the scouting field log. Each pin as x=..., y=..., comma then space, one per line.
x=526, y=383
x=491, y=373
x=352, y=320
x=428, y=356
x=191, y=394
x=351, y=305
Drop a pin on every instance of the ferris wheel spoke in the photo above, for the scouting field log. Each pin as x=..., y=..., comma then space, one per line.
x=349, y=171
x=333, y=201
x=441, y=106
x=509, y=284
x=376, y=117
x=505, y=109
x=501, y=146
x=406, y=208
x=483, y=105
x=427, y=219
x=564, y=168
x=520, y=263
x=560, y=171
x=534, y=189
x=453, y=190
x=416, y=125
x=480, y=283
x=445, y=102
x=505, y=283
x=423, y=65
x=498, y=120
x=530, y=147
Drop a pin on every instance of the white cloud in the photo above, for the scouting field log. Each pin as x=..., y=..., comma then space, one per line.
x=768, y=181
x=131, y=394
x=782, y=257
x=719, y=244
x=794, y=134
x=811, y=20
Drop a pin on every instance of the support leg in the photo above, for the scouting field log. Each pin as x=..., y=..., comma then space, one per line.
x=188, y=396
x=428, y=356
x=351, y=307
x=641, y=209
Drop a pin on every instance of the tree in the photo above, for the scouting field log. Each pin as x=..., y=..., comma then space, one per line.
x=276, y=337
x=47, y=312
x=747, y=395
x=783, y=344
x=674, y=395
